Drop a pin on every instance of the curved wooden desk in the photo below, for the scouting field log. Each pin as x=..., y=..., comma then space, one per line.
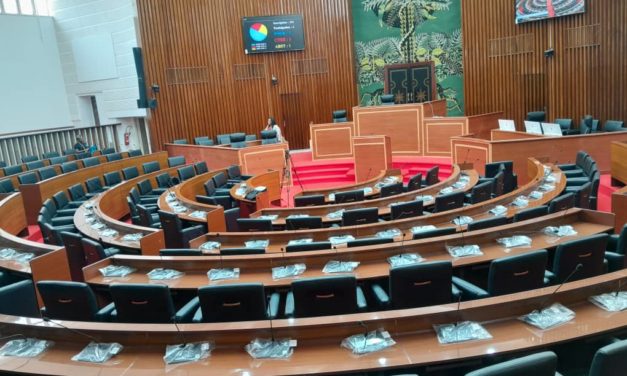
x=36, y=194
x=271, y=180
x=369, y=183
x=49, y=262
x=185, y=193
x=383, y=203
x=319, y=338
x=279, y=239
x=373, y=259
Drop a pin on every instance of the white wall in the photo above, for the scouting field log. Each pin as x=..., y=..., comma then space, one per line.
x=85, y=30
x=32, y=90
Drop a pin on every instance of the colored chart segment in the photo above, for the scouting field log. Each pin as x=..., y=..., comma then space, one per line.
x=258, y=32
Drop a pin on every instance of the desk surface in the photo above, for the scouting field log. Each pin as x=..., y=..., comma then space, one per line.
x=279, y=239
x=368, y=183
x=373, y=259
x=319, y=338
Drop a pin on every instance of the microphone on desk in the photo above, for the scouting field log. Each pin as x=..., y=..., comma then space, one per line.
x=368, y=174
x=577, y=268
x=48, y=319
x=178, y=332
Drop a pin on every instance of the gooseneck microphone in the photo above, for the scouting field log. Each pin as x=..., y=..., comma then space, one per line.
x=577, y=268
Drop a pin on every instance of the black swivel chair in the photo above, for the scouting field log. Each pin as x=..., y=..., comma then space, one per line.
x=339, y=116
x=537, y=116
x=29, y=158
x=616, y=250
x=201, y=167
x=62, y=201
x=19, y=299
x=531, y=213
x=269, y=137
x=95, y=252
x=203, y=140
x=360, y=216
x=176, y=161
x=135, y=153
x=565, y=125
x=349, y=196
x=94, y=185
x=324, y=296
x=238, y=140
x=610, y=360
x=67, y=167
x=221, y=181
x=35, y=165
x=449, y=202
x=310, y=200
x=180, y=141
x=47, y=172
x=175, y=235
x=387, y=99
x=406, y=209
x=487, y=223
x=150, y=167
x=186, y=172
x=230, y=217
x=234, y=174
x=75, y=254
x=414, y=183
x=303, y=223
x=234, y=302
x=142, y=303
x=254, y=224
x=91, y=162
x=112, y=178
x=432, y=176
x=614, y=126
x=540, y=364
x=589, y=252
x=480, y=192
x=145, y=189
x=113, y=157
x=28, y=178
x=391, y=189
x=50, y=154
x=73, y=301
x=563, y=202
x=130, y=173
x=417, y=285
x=58, y=160
x=509, y=275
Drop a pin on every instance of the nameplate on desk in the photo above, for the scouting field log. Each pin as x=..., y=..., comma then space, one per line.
x=466, y=166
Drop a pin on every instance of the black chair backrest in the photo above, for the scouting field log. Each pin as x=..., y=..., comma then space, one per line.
x=12, y=170
x=610, y=360
x=50, y=154
x=19, y=299
x=29, y=158
x=130, y=173
x=449, y=202
x=407, y=209
x=176, y=161
x=75, y=255
x=360, y=216
x=540, y=364
x=391, y=189
x=47, y=172
x=531, y=213
x=164, y=180
x=517, y=273
x=201, y=167
x=313, y=246
x=565, y=124
x=481, y=192
x=91, y=161
x=614, y=125
x=152, y=166
x=142, y=303
x=61, y=200
x=203, y=140
x=582, y=196
x=234, y=172
x=303, y=223
x=112, y=178
x=487, y=223
x=339, y=116
x=58, y=160
x=498, y=184
x=135, y=153
x=433, y=233
x=233, y=302
x=107, y=151
x=325, y=296
x=180, y=252
x=310, y=200
x=589, y=252
x=28, y=178
x=269, y=137
x=242, y=251
x=237, y=140
x=93, y=251
x=220, y=180
x=368, y=241
x=77, y=192
x=254, y=224
x=69, y=167
x=186, y=172
x=223, y=139
x=144, y=187
x=172, y=229
x=563, y=202
x=432, y=175
x=145, y=216
x=35, y=165
x=180, y=141
x=415, y=182
x=349, y=196
x=64, y=300
x=387, y=99
x=93, y=185
x=113, y=157
x=491, y=169
x=539, y=116
x=421, y=285
x=230, y=217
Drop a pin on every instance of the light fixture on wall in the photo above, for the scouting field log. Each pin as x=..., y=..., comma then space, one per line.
x=274, y=80
x=152, y=103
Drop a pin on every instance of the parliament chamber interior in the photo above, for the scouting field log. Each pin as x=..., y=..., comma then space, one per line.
x=326, y=187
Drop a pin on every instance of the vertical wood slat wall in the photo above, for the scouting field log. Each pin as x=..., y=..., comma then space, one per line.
x=193, y=50
x=587, y=75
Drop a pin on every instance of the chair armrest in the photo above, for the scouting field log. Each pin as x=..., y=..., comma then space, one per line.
x=380, y=295
x=455, y=292
x=159, y=191
x=615, y=261
x=361, y=300
x=246, y=177
x=186, y=313
x=224, y=201
x=289, y=304
x=65, y=213
x=574, y=174
x=192, y=232
x=197, y=316
x=222, y=192
x=468, y=290
x=149, y=200
x=570, y=182
x=612, y=243
x=273, y=305
x=62, y=221
x=567, y=166
x=105, y=313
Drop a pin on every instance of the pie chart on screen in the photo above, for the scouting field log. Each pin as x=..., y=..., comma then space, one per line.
x=258, y=32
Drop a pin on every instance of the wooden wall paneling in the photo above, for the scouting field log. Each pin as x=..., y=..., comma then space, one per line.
x=505, y=68
x=194, y=51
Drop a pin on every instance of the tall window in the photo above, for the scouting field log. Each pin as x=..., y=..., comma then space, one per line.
x=26, y=7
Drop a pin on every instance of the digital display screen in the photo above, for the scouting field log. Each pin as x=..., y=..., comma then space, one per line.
x=273, y=34
x=535, y=10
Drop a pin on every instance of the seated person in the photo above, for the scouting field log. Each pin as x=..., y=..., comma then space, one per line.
x=273, y=126
x=82, y=147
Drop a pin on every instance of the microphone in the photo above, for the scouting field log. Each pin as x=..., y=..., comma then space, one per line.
x=178, y=332
x=368, y=174
x=577, y=268
x=80, y=333
x=458, y=315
